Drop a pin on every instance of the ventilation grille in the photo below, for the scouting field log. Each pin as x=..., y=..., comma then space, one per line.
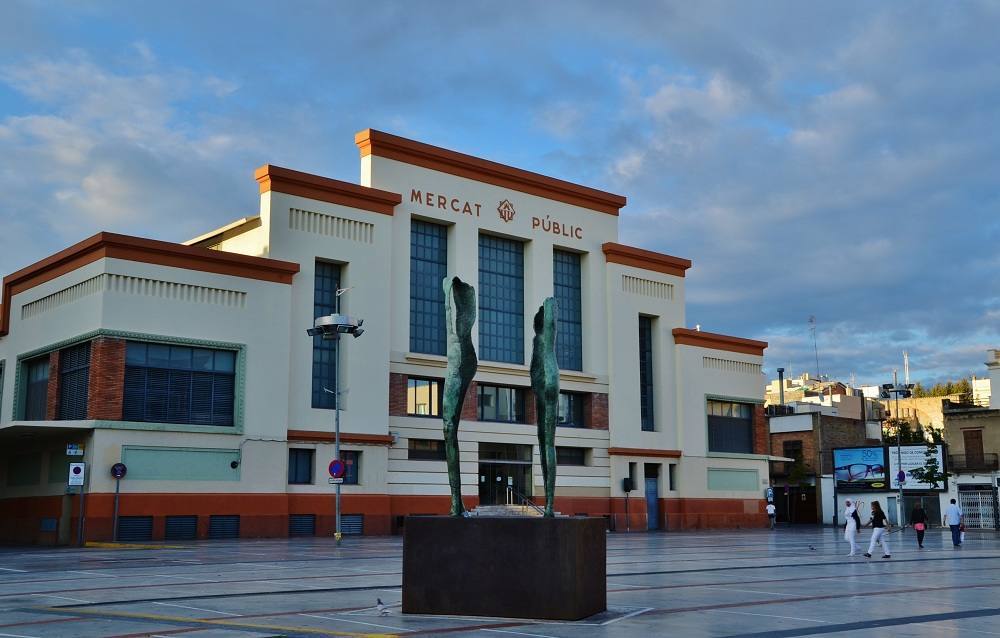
x=331, y=225
x=223, y=526
x=181, y=528
x=728, y=365
x=647, y=287
x=135, y=528
x=136, y=286
x=352, y=524
x=301, y=524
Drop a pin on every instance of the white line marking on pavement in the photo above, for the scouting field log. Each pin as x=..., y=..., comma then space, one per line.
x=952, y=627
x=18, y=636
x=11, y=569
x=98, y=574
x=517, y=633
x=75, y=600
x=211, y=611
x=366, y=609
x=628, y=615
x=747, y=613
x=749, y=591
x=184, y=578
x=357, y=622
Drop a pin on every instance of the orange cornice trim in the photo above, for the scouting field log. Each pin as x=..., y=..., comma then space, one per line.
x=645, y=259
x=143, y=250
x=372, y=142
x=325, y=189
x=688, y=337
x=345, y=437
x=638, y=451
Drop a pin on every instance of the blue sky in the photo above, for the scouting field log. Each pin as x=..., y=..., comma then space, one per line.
x=837, y=160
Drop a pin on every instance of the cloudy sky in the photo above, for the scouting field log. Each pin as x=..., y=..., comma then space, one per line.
x=834, y=160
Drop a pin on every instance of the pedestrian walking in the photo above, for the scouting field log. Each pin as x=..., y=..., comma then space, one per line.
x=880, y=526
x=918, y=519
x=852, y=526
x=771, y=514
x=953, y=519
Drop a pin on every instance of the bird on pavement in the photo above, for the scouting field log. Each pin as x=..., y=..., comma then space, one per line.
x=380, y=606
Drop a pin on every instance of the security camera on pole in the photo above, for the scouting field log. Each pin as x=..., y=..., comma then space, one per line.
x=329, y=328
x=895, y=388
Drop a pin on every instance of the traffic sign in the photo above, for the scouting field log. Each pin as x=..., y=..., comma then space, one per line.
x=118, y=470
x=901, y=477
x=77, y=471
x=335, y=481
x=337, y=468
x=74, y=449
x=770, y=494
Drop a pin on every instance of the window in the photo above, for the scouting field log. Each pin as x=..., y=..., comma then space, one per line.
x=672, y=476
x=352, y=466
x=326, y=283
x=501, y=299
x=571, y=456
x=428, y=268
x=179, y=384
x=74, y=372
x=426, y=450
x=498, y=403
x=792, y=450
x=730, y=427
x=300, y=466
x=569, y=328
x=36, y=393
x=570, y=410
x=646, y=373
x=423, y=397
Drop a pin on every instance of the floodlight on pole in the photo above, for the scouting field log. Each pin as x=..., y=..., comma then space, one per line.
x=329, y=328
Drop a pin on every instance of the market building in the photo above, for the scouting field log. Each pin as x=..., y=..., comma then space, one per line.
x=189, y=364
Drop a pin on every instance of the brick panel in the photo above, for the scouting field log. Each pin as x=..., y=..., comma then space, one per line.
x=760, y=430
x=106, y=389
x=595, y=409
x=470, y=411
x=809, y=449
x=397, y=394
x=530, y=409
x=52, y=394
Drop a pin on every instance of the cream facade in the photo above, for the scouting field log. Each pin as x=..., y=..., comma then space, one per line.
x=189, y=363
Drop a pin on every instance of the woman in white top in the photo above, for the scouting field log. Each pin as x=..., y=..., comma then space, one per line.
x=851, y=528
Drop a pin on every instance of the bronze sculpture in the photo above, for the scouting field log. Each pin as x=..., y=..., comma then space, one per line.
x=460, y=315
x=545, y=385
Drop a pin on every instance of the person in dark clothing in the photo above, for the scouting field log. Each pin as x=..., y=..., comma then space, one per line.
x=918, y=519
x=880, y=526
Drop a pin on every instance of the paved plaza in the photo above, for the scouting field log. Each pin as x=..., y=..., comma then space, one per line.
x=751, y=583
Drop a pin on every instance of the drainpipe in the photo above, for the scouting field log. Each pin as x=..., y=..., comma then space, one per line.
x=781, y=386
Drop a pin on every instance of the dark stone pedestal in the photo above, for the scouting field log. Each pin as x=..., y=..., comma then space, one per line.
x=546, y=568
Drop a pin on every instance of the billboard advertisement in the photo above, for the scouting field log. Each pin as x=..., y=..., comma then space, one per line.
x=860, y=469
x=912, y=456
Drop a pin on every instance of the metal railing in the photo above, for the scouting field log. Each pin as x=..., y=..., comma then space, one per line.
x=960, y=463
x=515, y=498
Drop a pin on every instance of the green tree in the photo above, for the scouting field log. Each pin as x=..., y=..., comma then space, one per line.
x=907, y=435
x=931, y=473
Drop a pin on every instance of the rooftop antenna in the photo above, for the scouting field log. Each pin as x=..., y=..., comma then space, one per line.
x=906, y=367
x=812, y=328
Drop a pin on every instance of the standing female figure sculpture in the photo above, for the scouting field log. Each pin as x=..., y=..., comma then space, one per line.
x=545, y=385
x=460, y=315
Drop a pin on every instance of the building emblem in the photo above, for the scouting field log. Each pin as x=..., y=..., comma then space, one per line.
x=506, y=210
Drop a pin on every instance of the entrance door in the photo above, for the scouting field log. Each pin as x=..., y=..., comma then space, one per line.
x=652, y=503
x=492, y=484
x=500, y=466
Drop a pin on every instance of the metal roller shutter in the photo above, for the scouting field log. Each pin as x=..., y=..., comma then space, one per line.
x=181, y=528
x=224, y=526
x=135, y=528
x=352, y=524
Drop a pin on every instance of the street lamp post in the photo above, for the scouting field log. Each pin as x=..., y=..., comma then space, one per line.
x=329, y=328
x=896, y=389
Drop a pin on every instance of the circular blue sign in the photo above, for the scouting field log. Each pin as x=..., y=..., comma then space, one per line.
x=901, y=477
x=118, y=470
x=337, y=468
